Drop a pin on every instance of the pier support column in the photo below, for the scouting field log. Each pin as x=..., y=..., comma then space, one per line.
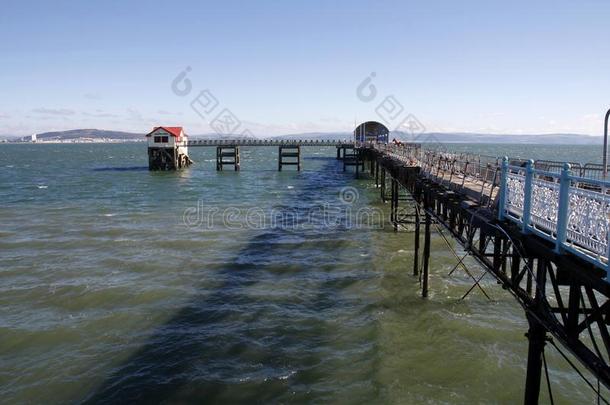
x=376, y=174
x=394, y=203
x=392, y=210
x=426, y=258
x=162, y=159
x=416, y=244
x=227, y=155
x=351, y=158
x=338, y=153
x=293, y=153
x=382, y=184
x=537, y=337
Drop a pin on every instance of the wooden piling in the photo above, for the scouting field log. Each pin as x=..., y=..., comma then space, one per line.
x=291, y=152
x=352, y=158
x=227, y=155
x=160, y=158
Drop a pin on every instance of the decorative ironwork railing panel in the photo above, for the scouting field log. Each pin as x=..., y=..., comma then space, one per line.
x=545, y=205
x=515, y=195
x=571, y=211
x=587, y=225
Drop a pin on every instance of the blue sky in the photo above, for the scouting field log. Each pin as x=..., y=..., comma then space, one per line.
x=291, y=67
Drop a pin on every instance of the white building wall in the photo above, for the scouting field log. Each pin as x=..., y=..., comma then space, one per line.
x=161, y=132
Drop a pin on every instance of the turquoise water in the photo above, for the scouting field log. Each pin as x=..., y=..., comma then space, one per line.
x=115, y=287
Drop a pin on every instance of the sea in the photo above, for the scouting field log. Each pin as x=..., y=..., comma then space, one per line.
x=120, y=285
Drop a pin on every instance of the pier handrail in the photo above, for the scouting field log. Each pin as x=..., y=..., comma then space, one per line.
x=560, y=202
x=460, y=172
x=266, y=142
x=569, y=210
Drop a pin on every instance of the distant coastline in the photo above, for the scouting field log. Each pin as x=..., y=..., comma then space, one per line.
x=105, y=136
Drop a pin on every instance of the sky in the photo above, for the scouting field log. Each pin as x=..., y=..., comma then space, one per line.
x=279, y=67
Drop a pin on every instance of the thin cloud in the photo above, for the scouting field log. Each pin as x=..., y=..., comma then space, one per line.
x=330, y=120
x=100, y=114
x=164, y=112
x=134, y=114
x=93, y=96
x=54, y=111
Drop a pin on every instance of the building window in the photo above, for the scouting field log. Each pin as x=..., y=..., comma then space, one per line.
x=164, y=139
x=157, y=139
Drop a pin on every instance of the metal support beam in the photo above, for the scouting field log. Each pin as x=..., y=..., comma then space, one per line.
x=416, y=244
x=394, y=203
x=376, y=173
x=382, y=181
x=424, y=291
x=536, y=336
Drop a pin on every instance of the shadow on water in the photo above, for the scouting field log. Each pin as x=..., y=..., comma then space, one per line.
x=234, y=346
x=121, y=169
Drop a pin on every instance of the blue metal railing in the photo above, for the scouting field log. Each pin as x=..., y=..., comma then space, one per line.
x=567, y=207
x=571, y=211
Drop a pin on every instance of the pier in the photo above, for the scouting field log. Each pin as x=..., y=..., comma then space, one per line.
x=168, y=149
x=540, y=228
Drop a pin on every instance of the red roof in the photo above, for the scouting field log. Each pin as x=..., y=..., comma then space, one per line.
x=174, y=131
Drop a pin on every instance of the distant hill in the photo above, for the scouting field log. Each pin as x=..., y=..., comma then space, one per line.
x=465, y=137
x=217, y=136
x=88, y=133
x=322, y=136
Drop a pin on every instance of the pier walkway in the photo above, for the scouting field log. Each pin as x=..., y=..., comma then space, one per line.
x=269, y=142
